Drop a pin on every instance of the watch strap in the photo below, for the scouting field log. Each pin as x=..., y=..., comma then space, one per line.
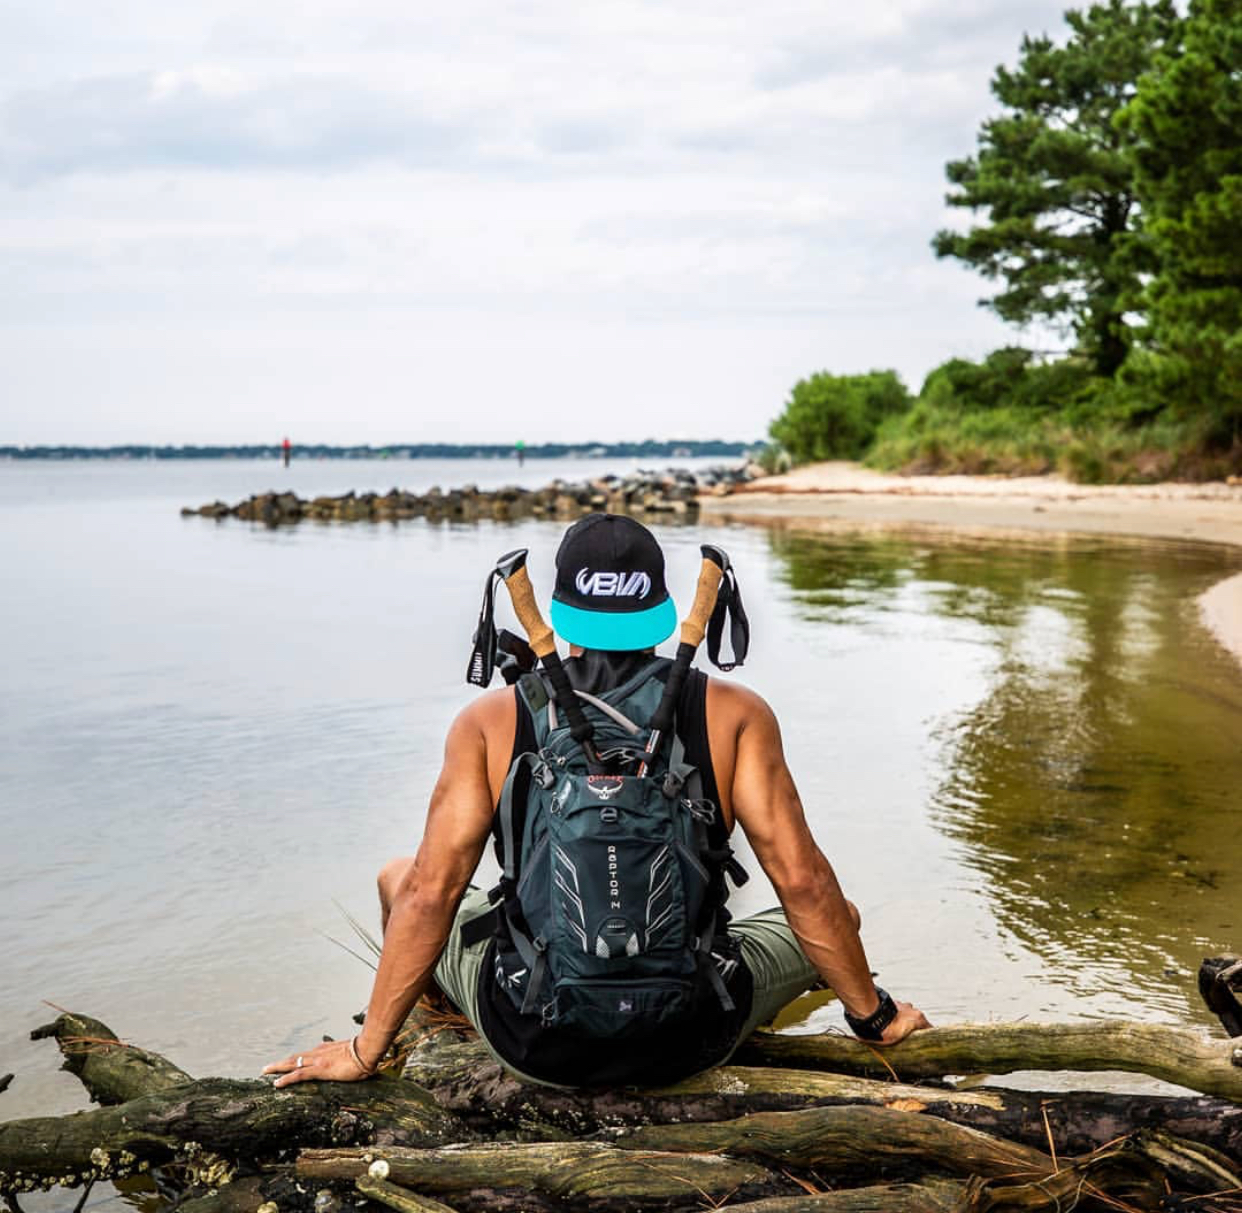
x=871, y=1027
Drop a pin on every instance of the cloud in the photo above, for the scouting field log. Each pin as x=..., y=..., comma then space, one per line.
x=696, y=202
x=218, y=120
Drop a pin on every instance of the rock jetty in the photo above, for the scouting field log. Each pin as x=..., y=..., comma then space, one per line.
x=669, y=495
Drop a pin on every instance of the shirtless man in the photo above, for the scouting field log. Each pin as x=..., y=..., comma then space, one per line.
x=732, y=736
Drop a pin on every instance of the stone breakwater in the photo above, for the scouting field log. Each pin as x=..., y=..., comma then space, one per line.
x=667, y=496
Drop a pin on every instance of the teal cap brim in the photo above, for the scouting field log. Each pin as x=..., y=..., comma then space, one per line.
x=614, y=630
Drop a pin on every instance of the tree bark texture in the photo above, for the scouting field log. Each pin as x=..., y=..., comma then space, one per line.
x=1188, y=1059
x=850, y=1141
x=736, y=1134
x=591, y=1175
x=466, y=1080
x=401, y=1199
x=240, y=1119
x=110, y=1070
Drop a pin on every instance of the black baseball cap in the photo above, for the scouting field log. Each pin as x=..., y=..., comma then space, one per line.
x=610, y=592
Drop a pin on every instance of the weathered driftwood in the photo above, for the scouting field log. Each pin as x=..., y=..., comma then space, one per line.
x=1135, y=1173
x=466, y=1080
x=844, y=1128
x=930, y=1196
x=240, y=1119
x=110, y=1070
x=401, y=1199
x=155, y=1113
x=850, y=1141
x=592, y=1175
x=1189, y=1059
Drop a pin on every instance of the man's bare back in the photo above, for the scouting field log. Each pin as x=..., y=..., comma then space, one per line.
x=420, y=895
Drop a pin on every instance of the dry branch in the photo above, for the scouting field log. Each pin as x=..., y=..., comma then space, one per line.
x=590, y=1174
x=401, y=1199
x=1188, y=1059
x=850, y=1141
x=110, y=1070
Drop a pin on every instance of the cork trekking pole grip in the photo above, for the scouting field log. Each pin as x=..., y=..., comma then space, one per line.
x=512, y=568
x=711, y=572
x=522, y=594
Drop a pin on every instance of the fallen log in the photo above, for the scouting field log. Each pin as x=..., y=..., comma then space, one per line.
x=236, y=1119
x=773, y=1118
x=592, y=1175
x=1137, y=1172
x=467, y=1081
x=110, y=1070
x=1185, y=1058
x=849, y=1141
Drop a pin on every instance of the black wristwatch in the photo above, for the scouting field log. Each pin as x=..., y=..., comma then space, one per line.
x=872, y=1027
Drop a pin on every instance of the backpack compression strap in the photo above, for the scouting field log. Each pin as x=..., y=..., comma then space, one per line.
x=503, y=897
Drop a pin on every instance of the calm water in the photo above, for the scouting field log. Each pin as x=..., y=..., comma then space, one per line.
x=1023, y=757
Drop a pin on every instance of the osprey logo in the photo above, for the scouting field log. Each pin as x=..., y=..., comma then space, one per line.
x=613, y=585
x=605, y=786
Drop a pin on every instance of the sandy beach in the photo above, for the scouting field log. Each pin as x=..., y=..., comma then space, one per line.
x=848, y=494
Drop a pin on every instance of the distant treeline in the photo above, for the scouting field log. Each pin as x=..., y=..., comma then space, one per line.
x=710, y=449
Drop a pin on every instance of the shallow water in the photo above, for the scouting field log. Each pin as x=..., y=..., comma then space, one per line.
x=1022, y=756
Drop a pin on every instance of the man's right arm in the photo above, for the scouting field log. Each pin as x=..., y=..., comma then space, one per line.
x=767, y=807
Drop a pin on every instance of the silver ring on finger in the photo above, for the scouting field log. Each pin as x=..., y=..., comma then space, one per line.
x=299, y=1061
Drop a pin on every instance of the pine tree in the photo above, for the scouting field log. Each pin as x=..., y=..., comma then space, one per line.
x=1186, y=126
x=1054, y=175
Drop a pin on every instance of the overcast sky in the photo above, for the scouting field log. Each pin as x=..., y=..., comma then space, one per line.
x=379, y=221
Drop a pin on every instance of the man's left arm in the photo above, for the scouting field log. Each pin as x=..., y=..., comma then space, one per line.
x=458, y=822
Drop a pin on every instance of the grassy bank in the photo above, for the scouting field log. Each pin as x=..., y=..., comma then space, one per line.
x=941, y=438
x=1009, y=414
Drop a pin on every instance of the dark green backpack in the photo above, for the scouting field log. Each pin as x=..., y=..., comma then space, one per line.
x=612, y=894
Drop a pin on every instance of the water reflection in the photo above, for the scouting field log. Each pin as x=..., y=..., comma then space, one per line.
x=1093, y=786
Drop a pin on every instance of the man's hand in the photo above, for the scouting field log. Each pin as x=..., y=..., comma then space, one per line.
x=332, y=1061
x=909, y=1019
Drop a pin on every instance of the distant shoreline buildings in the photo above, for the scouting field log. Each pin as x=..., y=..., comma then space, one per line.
x=709, y=449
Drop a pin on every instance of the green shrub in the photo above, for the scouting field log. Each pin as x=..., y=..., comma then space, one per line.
x=836, y=416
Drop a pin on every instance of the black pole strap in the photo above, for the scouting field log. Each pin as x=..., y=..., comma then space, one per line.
x=729, y=609
x=483, y=654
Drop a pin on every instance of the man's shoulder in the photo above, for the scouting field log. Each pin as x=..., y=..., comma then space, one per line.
x=728, y=700
x=488, y=713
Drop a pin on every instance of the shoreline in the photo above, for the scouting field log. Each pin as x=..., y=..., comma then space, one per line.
x=848, y=494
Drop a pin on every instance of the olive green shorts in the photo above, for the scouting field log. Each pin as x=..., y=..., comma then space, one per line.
x=776, y=961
